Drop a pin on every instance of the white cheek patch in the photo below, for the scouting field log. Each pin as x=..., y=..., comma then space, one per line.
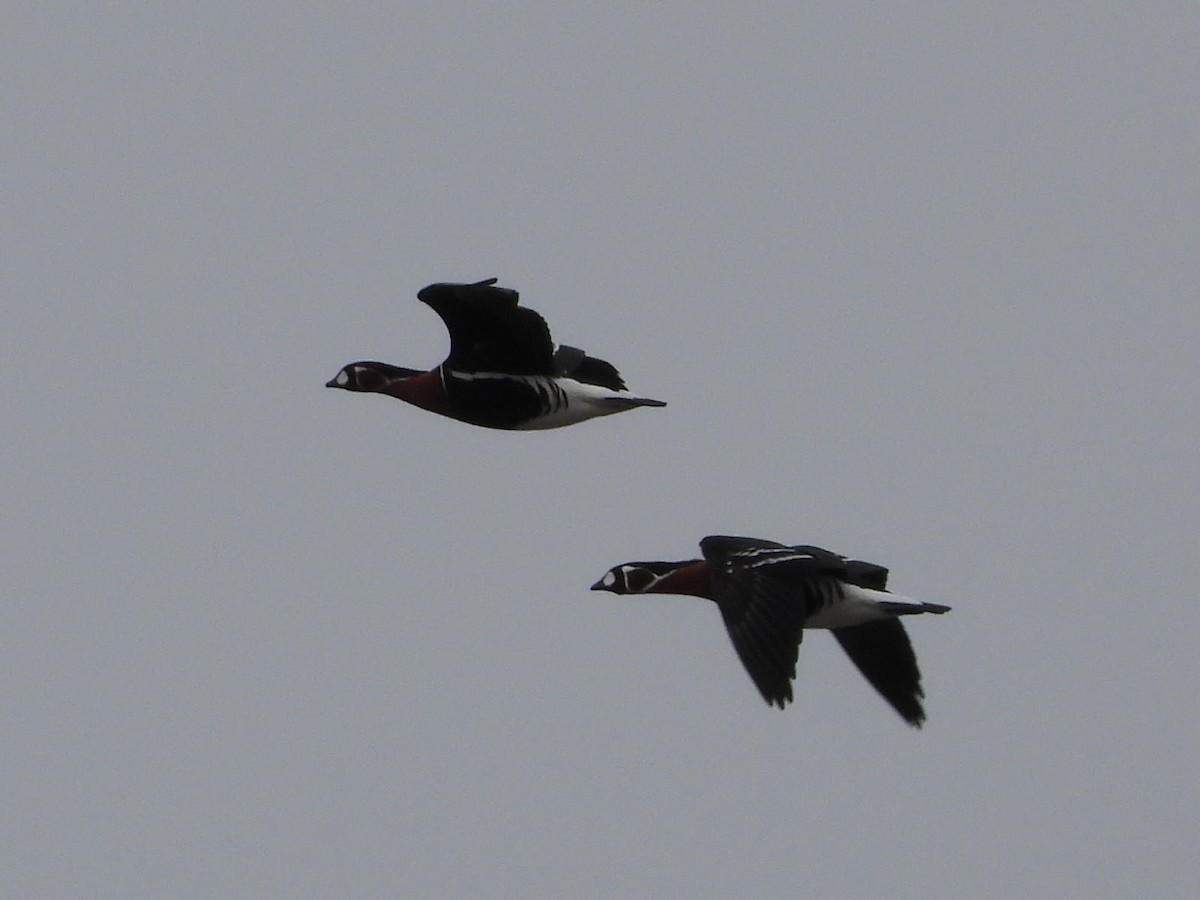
x=609, y=579
x=342, y=378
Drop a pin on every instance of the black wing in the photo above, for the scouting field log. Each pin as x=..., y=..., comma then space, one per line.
x=802, y=561
x=766, y=625
x=767, y=590
x=764, y=605
x=798, y=564
x=884, y=654
x=573, y=362
x=489, y=332
x=865, y=574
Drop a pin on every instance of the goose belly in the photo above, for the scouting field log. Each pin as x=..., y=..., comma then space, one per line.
x=857, y=606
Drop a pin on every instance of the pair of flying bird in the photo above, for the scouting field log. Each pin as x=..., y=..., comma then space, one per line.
x=504, y=371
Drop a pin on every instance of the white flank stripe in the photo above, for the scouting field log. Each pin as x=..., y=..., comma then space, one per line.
x=781, y=557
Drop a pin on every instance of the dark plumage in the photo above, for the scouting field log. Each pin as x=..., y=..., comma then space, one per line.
x=768, y=593
x=503, y=371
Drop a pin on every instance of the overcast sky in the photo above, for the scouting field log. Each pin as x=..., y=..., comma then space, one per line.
x=919, y=283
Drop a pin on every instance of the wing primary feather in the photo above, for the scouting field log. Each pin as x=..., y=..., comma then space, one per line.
x=883, y=654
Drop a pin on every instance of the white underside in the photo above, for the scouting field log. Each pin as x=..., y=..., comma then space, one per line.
x=859, y=605
x=584, y=401
x=570, y=401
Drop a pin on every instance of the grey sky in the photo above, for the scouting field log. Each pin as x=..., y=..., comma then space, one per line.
x=919, y=282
